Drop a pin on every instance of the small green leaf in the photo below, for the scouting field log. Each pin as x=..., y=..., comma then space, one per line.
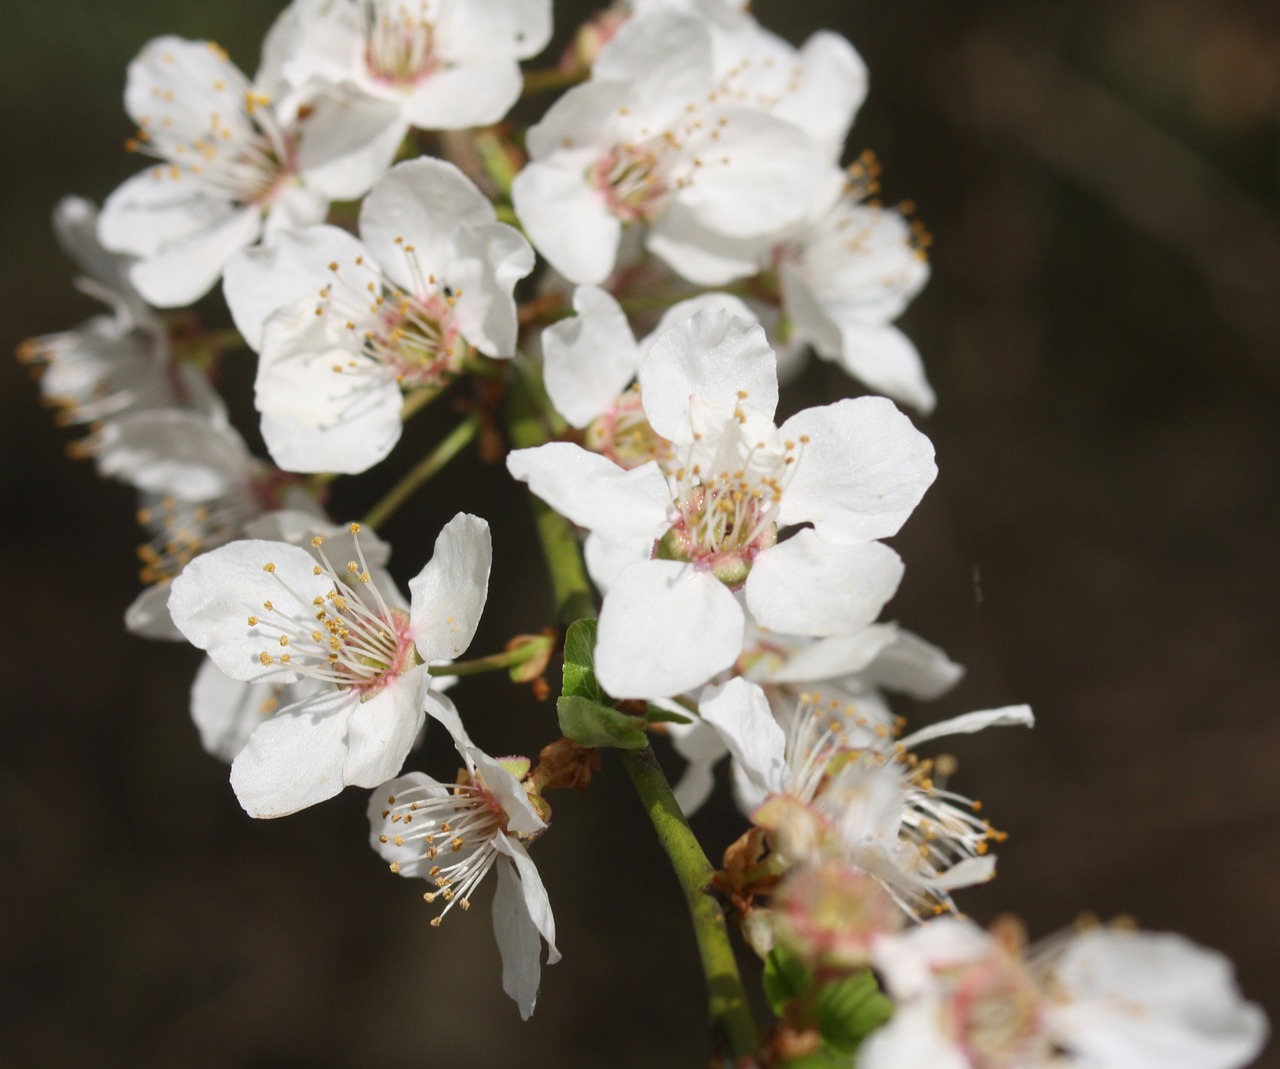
x=579, y=663
x=665, y=716
x=849, y=1010
x=786, y=978
x=588, y=723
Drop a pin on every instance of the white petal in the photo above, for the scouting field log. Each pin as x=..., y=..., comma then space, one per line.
x=968, y=723
x=174, y=453
x=292, y=267
x=702, y=255
x=449, y=594
x=715, y=357
x=627, y=507
x=665, y=627
x=218, y=591
x=522, y=818
x=316, y=418
x=348, y=142
x=489, y=260
x=566, y=219
x=835, y=656
x=519, y=28
x=423, y=202
x=887, y=361
x=590, y=358
x=382, y=730
x=806, y=586
x=701, y=745
x=913, y=1039
x=184, y=271
x=913, y=666
x=148, y=616
x=1147, y=1000
x=475, y=93
x=911, y=962
x=521, y=913
x=226, y=711
x=759, y=176
x=862, y=470
x=740, y=712
x=295, y=758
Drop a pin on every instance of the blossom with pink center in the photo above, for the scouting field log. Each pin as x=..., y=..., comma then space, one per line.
x=659, y=143
x=671, y=546
x=1106, y=998
x=346, y=326
x=231, y=166
x=452, y=834
x=431, y=64
x=271, y=613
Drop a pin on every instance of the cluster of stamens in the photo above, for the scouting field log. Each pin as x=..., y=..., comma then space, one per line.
x=182, y=530
x=725, y=503
x=350, y=637
x=448, y=834
x=625, y=436
x=410, y=335
x=399, y=46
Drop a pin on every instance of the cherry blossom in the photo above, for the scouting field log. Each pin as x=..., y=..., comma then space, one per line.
x=268, y=613
x=345, y=326
x=452, y=834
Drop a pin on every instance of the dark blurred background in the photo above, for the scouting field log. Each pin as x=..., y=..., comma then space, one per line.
x=1103, y=329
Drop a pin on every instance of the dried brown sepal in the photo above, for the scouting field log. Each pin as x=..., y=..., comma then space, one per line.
x=745, y=873
x=563, y=765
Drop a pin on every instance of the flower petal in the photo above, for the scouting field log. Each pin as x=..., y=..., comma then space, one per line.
x=740, y=713
x=449, y=594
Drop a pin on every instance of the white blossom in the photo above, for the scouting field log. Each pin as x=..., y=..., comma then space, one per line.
x=345, y=325
x=268, y=613
x=1103, y=998
x=230, y=166
x=676, y=543
x=452, y=834
x=660, y=145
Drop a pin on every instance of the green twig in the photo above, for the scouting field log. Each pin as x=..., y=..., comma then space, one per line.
x=730, y=1014
x=540, y=81
x=422, y=471
x=512, y=658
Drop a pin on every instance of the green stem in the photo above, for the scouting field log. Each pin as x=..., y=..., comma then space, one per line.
x=539, y=81
x=422, y=471
x=730, y=1013
x=528, y=427
x=512, y=658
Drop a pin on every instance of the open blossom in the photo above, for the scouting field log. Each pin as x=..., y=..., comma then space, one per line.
x=846, y=672
x=844, y=277
x=671, y=546
x=660, y=146
x=269, y=613
x=230, y=166
x=833, y=783
x=452, y=834
x=438, y=65
x=345, y=326
x=1102, y=998
x=227, y=711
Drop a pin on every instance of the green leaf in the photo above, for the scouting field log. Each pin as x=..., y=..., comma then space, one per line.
x=655, y=715
x=849, y=1010
x=786, y=978
x=588, y=723
x=579, y=663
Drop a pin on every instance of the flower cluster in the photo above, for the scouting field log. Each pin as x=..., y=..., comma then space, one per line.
x=377, y=227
